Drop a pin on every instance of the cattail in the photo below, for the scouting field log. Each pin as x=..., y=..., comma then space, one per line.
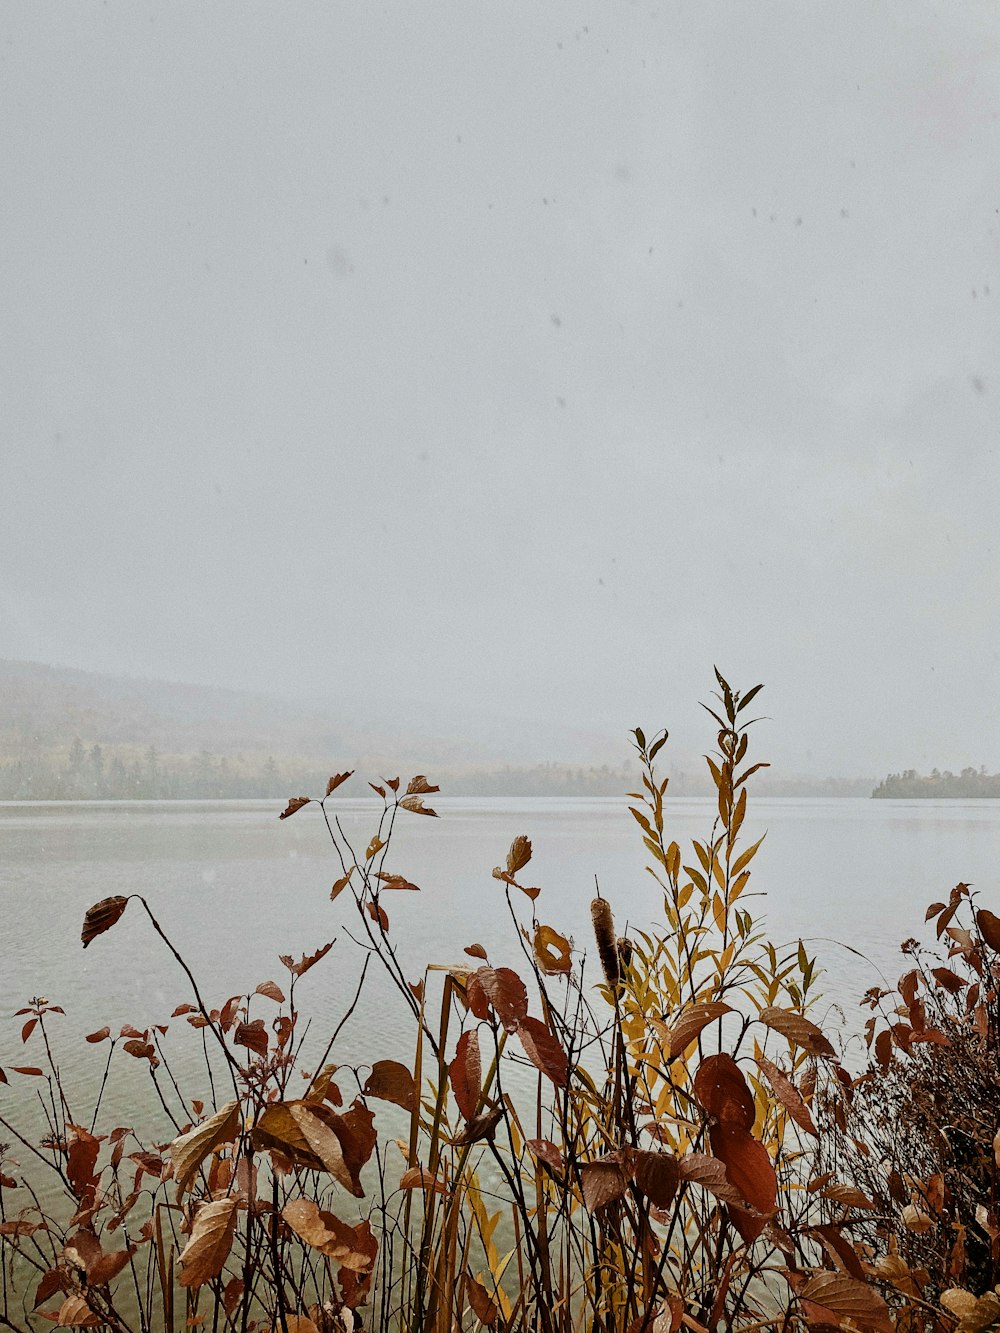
x=625, y=953
x=604, y=934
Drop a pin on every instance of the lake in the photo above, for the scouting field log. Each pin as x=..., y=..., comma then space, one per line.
x=234, y=887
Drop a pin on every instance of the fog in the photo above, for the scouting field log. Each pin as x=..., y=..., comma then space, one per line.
x=469, y=361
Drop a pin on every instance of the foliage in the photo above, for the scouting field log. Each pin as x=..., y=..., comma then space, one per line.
x=635, y=1151
x=920, y=1133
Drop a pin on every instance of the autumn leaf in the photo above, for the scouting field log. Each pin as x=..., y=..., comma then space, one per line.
x=546, y=1151
x=252, y=1035
x=689, y=1025
x=722, y=1090
x=102, y=1035
x=603, y=1182
x=420, y=786
x=352, y=1247
x=101, y=917
x=189, y=1150
x=396, y=882
x=519, y=854
x=211, y=1241
x=306, y=961
x=391, y=1081
x=989, y=928
x=476, y=951
x=710, y=1173
x=506, y=992
x=544, y=1050
x=340, y=885
x=76, y=1313
x=295, y=803
x=479, y=1127
x=271, y=990
x=416, y=806
x=419, y=1178
x=483, y=1307
x=466, y=1073
x=789, y=1096
x=847, y=1298
x=799, y=1031
x=335, y=782
x=657, y=1174
x=551, y=952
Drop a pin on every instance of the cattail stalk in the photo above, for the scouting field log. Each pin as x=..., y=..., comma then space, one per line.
x=607, y=944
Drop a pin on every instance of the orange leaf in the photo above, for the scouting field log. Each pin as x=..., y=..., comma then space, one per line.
x=519, y=854
x=551, y=951
x=419, y=786
x=271, y=990
x=989, y=928
x=335, y=782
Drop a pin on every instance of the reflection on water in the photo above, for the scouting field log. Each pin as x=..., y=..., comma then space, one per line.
x=234, y=887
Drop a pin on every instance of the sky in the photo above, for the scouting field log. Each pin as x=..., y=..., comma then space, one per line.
x=512, y=361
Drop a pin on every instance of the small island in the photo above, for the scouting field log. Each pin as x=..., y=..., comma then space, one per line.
x=971, y=784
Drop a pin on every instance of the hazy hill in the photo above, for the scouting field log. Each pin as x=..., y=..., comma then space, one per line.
x=73, y=734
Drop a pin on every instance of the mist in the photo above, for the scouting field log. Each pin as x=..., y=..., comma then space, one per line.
x=500, y=369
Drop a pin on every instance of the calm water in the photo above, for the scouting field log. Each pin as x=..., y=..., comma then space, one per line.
x=235, y=887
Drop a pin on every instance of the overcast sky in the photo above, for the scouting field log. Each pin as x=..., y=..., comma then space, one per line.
x=516, y=359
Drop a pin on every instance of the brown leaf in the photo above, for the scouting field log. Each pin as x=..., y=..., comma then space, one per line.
x=396, y=882
x=847, y=1298
x=272, y=990
x=101, y=917
x=76, y=1313
x=340, y=885
x=505, y=991
x=416, y=806
x=479, y=1128
x=28, y=1069
x=102, y=1035
x=189, y=1150
x=690, y=1023
x=519, y=854
x=81, y=1163
x=107, y=1268
x=483, y=1307
x=140, y=1050
x=603, y=1182
x=847, y=1195
x=419, y=1178
x=391, y=1081
x=710, y=1173
x=750, y=1169
x=335, y=782
x=352, y=1247
x=722, y=1090
x=420, y=786
x=295, y=803
x=54, y=1280
x=546, y=1151
x=306, y=961
x=544, y=1050
x=466, y=1073
x=799, y=1031
x=252, y=1035
x=989, y=928
x=378, y=914
x=551, y=952
x=210, y=1243
x=657, y=1174
x=28, y=1029
x=476, y=951
x=789, y=1096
